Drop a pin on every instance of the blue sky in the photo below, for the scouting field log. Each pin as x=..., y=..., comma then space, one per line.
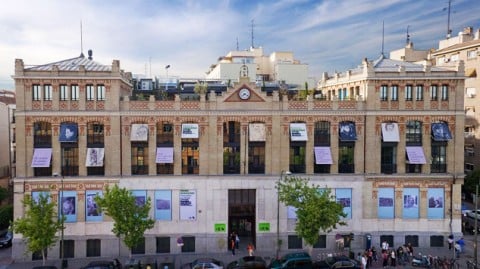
x=190, y=35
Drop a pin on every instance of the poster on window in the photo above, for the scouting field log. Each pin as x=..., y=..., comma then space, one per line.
x=68, y=205
x=188, y=205
x=163, y=205
x=68, y=132
x=164, y=155
x=41, y=157
x=36, y=196
x=410, y=203
x=139, y=132
x=189, y=130
x=344, y=197
x=435, y=208
x=256, y=132
x=390, y=132
x=140, y=197
x=92, y=212
x=386, y=203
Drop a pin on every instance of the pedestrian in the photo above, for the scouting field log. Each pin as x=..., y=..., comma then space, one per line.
x=237, y=241
x=364, y=261
x=232, y=243
x=450, y=241
x=385, y=245
x=250, y=249
x=369, y=257
x=374, y=253
x=393, y=258
x=461, y=242
x=384, y=258
x=410, y=249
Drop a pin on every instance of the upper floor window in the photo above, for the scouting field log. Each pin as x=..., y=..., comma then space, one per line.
x=471, y=54
x=433, y=92
x=36, y=92
x=164, y=134
x=42, y=134
x=454, y=57
x=444, y=96
x=384, y=93
x=95, y=135
x=47, y=92
x=394, y=91
x=408, y=93
x=100, y=92
x=413, y=133
x=75, y=93
x=322, y=133
x=63, y=92
x=419, y=93
x=90, y=92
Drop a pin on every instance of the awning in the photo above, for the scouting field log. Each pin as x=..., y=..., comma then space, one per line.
x=390, y=132
x=323, y=155
x=440, y=131
x=164, y=155
x=94, y=157
x=298, y=132
x=415, y=155
x=347, y=131
x=42, y=157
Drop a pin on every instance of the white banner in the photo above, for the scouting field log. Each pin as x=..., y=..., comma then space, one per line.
x=256, y=132
x=139, y=132
x=42, y=157
x=189, y=130
x=94, y=157
x=164, y=155
x=298, y=132
x=188, y=205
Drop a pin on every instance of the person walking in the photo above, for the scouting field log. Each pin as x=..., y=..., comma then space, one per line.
x=232, y=243
x=250, y=249
x=393, y=258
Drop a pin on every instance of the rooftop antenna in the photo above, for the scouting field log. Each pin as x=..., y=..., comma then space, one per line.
x=237, y=44
x=252, y=33
x=81, y=40
x=449, y=31
x=383, y=36
x=408, y=35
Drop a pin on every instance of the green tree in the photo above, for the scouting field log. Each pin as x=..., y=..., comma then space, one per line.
x=317, y=209
x=472, y=179
x=3, y=194
x=39, y=225
x=130, y=220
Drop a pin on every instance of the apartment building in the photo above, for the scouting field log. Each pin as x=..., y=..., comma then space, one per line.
x=386, y=148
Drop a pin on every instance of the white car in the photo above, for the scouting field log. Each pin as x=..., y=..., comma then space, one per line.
x=471, y=213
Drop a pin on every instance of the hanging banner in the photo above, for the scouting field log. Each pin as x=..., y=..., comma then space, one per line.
x=94, y=157
x=344, y=197
x=298, y=132
x=189, y=130
x=139, y=132
x=163, y=205
x=386, y=203
x=68, y=132
x=68, y=205
x=323, y=155
x=140, y=197
x=390, y=132
x=410, y=203
x=440, y=131
x=92, y=212
x=347, y=131
x=41, y=157
x=415, y=155
x=436, y=199
x=256, y=132
x=164, y=155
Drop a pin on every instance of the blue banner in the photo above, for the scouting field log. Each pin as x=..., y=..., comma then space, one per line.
x=386, y=203
x=92, y=212
x=440, y=131
x=140, y=197
x=436, y=203
x=163, y=205
x=344, y=197
x=68, y=205
x=36, y=195
x=68, y=132
x=410, y=203
x=347, y=131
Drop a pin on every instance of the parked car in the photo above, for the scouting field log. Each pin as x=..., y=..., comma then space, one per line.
x=248, y=262
x=45, y=267
x=6, y=239
x=471, y=213
x=296, y=260
x=104, y=264
x=204, y=263
x=337, y=262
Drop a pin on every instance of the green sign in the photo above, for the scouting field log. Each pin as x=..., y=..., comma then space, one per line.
x=264, y=227
x=220, y=227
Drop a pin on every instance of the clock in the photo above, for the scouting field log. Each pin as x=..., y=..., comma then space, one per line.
x=244, y=94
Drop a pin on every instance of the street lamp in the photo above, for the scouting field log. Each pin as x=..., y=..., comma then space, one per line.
x=62, y=220
x=278, y=210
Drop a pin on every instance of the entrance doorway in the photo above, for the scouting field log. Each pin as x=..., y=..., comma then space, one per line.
x=241, y=215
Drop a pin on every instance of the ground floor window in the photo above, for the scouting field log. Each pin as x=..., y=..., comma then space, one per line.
x=163, y=244
x=94, y=247
x=294, y=242
x=437, y=241
x=139, y=248
x=188, y=244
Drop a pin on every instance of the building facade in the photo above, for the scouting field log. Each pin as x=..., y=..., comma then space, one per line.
x=7, y=134
x=210, y=166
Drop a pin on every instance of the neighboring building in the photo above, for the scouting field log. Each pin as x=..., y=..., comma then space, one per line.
x=210, y=164
x=278, y=68
x=7, y=133
x=466, y=47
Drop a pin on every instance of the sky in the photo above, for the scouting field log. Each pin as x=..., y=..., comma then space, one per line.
x=147, y=35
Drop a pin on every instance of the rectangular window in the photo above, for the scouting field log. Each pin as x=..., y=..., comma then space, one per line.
x=68, y=248
x=389, y=158
x=433, y=92
x=444, y=92
x=139, y=248
x=94, y=247
x=63, y=92
x=437, y=241
x=408, y=93
x=471, y=54
x=47, y=92
x=190, y=156
x=454, y=57
x=163, y=244
x=321, y=242
x=188, y=244
x=419, y=93
x=139, y=158
x=256, y=157
x=384, y=93
x=100, y=92
x=439, y=157
x=36, y=92
x=75, y=93
x=90, y=92
x=295, y=242
x=69, y=159
x=394, y=91
x=297, y=156
x=346, y=152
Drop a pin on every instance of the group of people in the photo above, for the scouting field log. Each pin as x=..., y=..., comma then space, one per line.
x=235, y=244
x=389, y=256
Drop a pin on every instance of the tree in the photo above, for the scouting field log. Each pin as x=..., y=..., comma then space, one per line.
x=130, y=219
x=472, y=179
x=39, y=225
x=317, y=209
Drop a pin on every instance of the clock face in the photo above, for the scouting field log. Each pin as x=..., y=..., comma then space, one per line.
x=244, y=93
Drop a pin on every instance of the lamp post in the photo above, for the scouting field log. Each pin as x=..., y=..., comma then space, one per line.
x=278, y=211
x=475, y=244
x=62, y=221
